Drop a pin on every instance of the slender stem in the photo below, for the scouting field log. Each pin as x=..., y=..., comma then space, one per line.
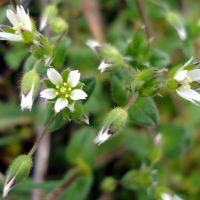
x=57, y=192
x=37, y=142
x=145, y=19
x=60, y=38
x=131, y=101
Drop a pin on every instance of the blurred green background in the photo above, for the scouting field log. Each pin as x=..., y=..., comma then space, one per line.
x=135, y=166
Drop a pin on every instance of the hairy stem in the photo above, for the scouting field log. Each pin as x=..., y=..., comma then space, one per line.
x=131, y=101
x=37, y=142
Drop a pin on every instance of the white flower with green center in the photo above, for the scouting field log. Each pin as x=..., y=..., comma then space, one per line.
x=20, y=21
x=184, y=78
x=64, y=89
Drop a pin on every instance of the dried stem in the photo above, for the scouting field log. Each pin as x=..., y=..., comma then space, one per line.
x=145, y=19
x=37, y=142
x=56, y=193
x=93, y=15
x=131, y=101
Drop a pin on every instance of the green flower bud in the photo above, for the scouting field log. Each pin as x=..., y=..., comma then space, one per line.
x=18, y=170
x=108, y=184
x=30, y=86
x=58, y=25
x=113, y=123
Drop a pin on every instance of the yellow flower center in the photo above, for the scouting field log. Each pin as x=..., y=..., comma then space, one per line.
x=63, y=90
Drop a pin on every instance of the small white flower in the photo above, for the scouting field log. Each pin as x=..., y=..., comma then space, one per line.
x=181, y=32
x=27, y=100
x=93, y=44
x=184, y=78
x=20, y=21
x=104, y=66
x=8, y=186
x=104, y=134
x=167, y=196
x=64, y=92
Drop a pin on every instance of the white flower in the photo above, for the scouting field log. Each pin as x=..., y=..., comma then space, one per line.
x=104, y=134
x=184, y=78
x=181, y=32
x=65, y=91
x=167, y=196
x=104, y=66
x=27, y=100
x=20, y=21
x=8, y=186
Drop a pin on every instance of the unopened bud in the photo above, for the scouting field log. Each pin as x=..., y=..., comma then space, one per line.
x=58, y=25
x=108, y=184
x=30, y=86
x=176, y=21
x=113, y=123
x=18, y=170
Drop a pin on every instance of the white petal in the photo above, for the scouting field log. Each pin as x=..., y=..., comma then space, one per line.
x=8, y=186
x=60, y=104
x=54, y=76
x=166, y=196
x=78, y=94
x=12, y=17
x=180, y=75
x=93, y=44
x=27, y=101
x=10, y=37
x=49, y=93
x=189, y=94
x=176, y=197
x=71, y=107
x=181, y=32
x=194, y=74
x=104, y=66
x=102, y=136
x=43, y=22
x=73, y=78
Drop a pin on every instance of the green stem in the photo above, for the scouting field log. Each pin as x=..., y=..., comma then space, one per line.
x=43, y=133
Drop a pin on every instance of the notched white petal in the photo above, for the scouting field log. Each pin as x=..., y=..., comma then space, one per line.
x=54, y=76
x=104, y=134
x=60, y=104
x=104, y=66
x=8, y=186
x=73, y=78
x=194, y=74
x=27, y=101
x=78, y=94
x=49, y=93
x=10, y=37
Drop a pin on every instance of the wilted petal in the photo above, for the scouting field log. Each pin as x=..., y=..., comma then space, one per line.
x=194, y=74
x=104, y=66
x=73, y=78
x=103, y=135
x=60, y=104
x=188, y=94
x=54, y=76
x=78, y=94
x=10, y=37
x=27, y=101
x=49, y=93
x=8, y=186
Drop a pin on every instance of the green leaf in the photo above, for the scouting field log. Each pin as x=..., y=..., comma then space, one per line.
x=11, y=116
x=89, y=86
x=118, y=90
x=81, y=147
x=49, y=112
x=144, y=112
